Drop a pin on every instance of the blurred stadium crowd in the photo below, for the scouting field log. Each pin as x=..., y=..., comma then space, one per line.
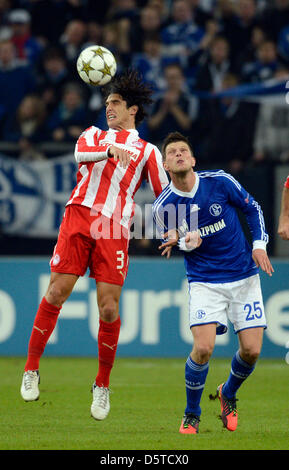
x=181, y=47
x=188, y=50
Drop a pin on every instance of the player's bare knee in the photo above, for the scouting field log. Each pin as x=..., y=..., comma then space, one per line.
x=108, y=310
x=56, y=293
x=202, y=352
x=250, y=354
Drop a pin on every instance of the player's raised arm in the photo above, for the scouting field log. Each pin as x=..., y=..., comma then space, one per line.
x=88, y=149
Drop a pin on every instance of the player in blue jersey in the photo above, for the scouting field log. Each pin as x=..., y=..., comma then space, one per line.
x=197, y=211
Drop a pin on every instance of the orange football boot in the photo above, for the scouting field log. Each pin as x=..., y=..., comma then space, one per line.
x=229, y=413
x=190, y=424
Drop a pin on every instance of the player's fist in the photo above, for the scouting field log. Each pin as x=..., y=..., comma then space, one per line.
x=193, y=240
x=121, y=155
x=283, y=228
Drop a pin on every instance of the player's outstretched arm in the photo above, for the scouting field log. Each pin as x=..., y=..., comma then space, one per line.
x=89, y=149
x=99, y=154
x=262, y=261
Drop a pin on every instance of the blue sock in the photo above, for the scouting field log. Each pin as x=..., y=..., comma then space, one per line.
x=195, y=375
x=240, y=370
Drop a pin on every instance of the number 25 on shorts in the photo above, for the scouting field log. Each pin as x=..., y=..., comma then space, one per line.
x=253, y=311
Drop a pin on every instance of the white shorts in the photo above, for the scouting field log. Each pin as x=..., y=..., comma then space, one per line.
x=240, y=301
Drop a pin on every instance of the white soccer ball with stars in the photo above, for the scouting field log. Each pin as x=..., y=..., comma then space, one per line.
x=96, y=65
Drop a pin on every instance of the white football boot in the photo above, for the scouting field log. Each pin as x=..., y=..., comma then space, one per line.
x=29, y=387
x=100, y=403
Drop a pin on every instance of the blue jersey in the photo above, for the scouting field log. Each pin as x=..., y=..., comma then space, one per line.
x=224, y=255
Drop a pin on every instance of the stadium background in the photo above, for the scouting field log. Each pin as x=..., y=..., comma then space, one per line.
x=219, y=70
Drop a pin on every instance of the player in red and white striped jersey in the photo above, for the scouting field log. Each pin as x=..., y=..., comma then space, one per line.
x=112, y=166
x=102, y=180
x=283, y=228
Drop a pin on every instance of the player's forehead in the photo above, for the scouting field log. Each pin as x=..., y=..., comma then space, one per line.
x=114, y=98
x=172, y=146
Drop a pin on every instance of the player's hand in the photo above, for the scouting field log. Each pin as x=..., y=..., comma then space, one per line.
x=283, y=228
x=262, y=261
x=121, y=155
x=173, y=238
x=193, y=240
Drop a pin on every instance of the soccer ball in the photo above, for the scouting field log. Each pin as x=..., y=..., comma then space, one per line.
x=96, y=65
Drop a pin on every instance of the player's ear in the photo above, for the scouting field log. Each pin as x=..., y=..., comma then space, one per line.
x=193, y=161
x=133, y=110
x=165, y=165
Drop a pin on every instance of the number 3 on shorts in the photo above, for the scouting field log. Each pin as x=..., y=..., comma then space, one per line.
x=253, y=311
x=119, y=259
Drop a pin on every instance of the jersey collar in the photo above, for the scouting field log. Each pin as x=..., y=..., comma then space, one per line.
x=130, y=131
x=191, y=193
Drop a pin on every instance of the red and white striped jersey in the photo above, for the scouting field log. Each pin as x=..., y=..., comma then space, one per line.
x=104, y=184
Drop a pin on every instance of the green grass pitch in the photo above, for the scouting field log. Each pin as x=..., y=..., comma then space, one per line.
x=147, y=403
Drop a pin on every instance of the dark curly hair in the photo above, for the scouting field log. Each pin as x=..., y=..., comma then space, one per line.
x=133, y=91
